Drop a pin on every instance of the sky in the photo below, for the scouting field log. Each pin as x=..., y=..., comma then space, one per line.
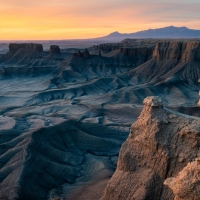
x=81, y=19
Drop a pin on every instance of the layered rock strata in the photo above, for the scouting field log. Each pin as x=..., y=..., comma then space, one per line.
x=109, y=47
x=184, y=51
x=160, y=144
x=13, y=47
x=22, y=49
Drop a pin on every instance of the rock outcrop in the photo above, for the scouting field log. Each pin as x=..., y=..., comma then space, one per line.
x=13, y=47
x=186, y=186
x=84, y=54
x=139, y=54
x=142, y=51
x=160, y=144
x=109, y=47
x=54, y=49
x=184, y=51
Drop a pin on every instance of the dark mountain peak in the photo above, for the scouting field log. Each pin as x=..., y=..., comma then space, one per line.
x=116, y=33
x=184, y=27
x=176, y=28
x=171, y=27
x=165, y=32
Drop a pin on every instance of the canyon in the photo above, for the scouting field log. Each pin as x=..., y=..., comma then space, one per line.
x=66, y=112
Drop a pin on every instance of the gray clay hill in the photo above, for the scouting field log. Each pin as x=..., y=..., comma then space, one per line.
x=65, y=112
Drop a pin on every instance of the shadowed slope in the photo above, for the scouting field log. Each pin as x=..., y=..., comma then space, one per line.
x=50, y=153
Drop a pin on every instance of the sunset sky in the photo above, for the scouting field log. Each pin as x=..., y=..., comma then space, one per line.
x=72, y=19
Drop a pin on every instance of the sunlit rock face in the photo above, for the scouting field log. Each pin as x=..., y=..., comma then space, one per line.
x=140, y=54
x=160, y=144
x=186, y=186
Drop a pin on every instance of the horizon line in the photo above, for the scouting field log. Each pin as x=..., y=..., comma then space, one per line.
x=102, y=37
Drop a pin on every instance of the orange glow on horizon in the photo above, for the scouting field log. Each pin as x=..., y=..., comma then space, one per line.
x=60, y=20
x=35, y=24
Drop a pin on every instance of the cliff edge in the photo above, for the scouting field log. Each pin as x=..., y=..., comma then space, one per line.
x=184, y=51
x=160, y=144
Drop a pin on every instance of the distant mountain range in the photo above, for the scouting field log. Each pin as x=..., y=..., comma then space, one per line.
x=160, y=33
x=166, y=32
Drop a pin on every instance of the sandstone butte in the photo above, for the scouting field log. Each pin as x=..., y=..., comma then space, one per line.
x=14, y=47
x=54, y=49
x=159, y=160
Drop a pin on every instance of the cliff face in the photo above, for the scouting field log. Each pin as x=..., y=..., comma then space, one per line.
x=109, y=47
x=145, y=52
x=84, y=54
x=21, y=51
x=160, y=145
x=136, y=52
x=13, y=47
x=139, y=55
x=184, y=51
x=186, y=186
x=179, y=51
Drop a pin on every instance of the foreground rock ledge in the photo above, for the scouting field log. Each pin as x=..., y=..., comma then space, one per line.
x=187, y=184
x=160, y=144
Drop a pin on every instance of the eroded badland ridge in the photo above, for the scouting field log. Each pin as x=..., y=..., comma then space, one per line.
x=160, y=144
x=65, y=113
